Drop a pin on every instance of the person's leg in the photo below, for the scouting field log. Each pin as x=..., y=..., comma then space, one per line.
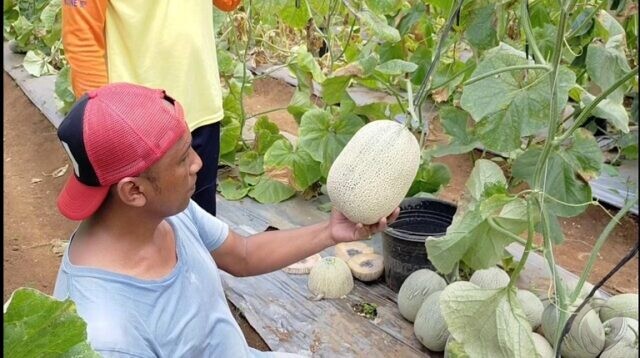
x=206, y=142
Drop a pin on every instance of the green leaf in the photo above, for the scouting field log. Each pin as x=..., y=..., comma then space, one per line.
x=226, y=62
x=37, y=325
x=607, y=26
x=455, y=123
x=584, y=154
x=396, y=67
x=489, y=323
x=605, y=65
x=308, y=64
x=300, y=103
x=334, y=88
x=324, y=136
x=546, y=39
x=384, y=7
x=293, y=166
x=270, y=8
x=229, y=135
x=560, y=182
x=481, y=31
x=267, y=133
x=269, y=191
x=36, y=64
x=484, y=175
x=421, y=56
x=557, y=236
x=228, y=159
x=251, y=162
x=233, y=189
x=511, y=104
x=472, y=239
x=613, y=112
x=64, y=91
x=295, y=17
x=430, y=179
x=376, y=25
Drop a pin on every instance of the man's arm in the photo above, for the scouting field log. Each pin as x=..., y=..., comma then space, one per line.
x=83, y=37
x=272, y=250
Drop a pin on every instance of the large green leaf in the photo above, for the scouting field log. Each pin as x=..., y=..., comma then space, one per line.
x=324, y=136
x=37, y=325
x=229, y=135
x=269, y=191
x=36, y=64
x=481, y=31
x=267, y=133
x=376, y=25
x=64, y=91
x=396, y=67
x=562, y=181
x=233, y=189
x=333, y=88
x=293, y=16
x=511, y=104
x=455, y=123
x=384, y=7
x=431, y=178
x=308, y=64
x=489, y=323
x=300, y=103
x=294, y=165
x=270, y=8
x=251, y=162
x=613, y=112
x=606, y=64
x=484, y=175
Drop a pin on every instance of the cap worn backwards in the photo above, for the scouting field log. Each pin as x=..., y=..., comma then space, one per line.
x=117, y=131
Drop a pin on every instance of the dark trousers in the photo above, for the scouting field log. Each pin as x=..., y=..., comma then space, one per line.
x=206, y=142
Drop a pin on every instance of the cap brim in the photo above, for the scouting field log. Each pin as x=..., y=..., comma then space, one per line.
x=78, y=201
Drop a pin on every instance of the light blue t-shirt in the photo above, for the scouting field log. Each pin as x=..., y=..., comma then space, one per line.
x=184, y=314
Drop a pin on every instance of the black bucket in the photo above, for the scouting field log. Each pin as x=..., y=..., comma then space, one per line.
x=403, y=242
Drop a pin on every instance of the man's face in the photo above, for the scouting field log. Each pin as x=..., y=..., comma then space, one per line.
x=174, y=178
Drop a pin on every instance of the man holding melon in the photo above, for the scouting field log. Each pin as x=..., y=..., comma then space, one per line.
x=142, y=266
x=164, y=44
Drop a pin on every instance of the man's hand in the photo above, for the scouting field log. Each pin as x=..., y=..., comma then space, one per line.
x=343, y=230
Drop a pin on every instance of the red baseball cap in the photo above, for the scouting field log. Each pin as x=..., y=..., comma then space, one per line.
x=117, y=131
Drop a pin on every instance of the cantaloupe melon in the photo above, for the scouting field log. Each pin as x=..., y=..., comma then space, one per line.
x=415, y=289
x=374, y=171
x=430, y=327
x=330, y=278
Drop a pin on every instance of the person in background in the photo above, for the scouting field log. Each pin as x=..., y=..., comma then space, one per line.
x=165, y=44
x=142, y=266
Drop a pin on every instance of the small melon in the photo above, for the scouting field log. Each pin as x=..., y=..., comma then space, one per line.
x=330, y=278
x=374, y=171
x=491, y=278
x=624, y=305
x=430, y=327
x=415, y=289
x=543, y=348
x=532, y=307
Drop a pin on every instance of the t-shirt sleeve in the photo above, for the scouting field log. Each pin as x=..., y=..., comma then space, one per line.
x=212, y=231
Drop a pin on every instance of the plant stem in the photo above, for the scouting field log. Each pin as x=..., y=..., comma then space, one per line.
x=494, y=225
x=584, y=114
x=353, y=23
x=411, y=110
x=526, y=24
x=527, y=247
x=506, y=69
x=596, y=248
x=538, y=184
x=267, y=112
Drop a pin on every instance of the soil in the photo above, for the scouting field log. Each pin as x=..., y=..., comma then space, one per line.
x=33, y=228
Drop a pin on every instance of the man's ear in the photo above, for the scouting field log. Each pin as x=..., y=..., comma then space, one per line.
x=132, y=191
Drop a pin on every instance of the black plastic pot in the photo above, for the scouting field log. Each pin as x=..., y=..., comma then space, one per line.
x=403, y=242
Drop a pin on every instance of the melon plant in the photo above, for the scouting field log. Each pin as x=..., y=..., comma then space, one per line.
x=374, y=171
x=430, y=327
x=415, y=289
x=330, y=278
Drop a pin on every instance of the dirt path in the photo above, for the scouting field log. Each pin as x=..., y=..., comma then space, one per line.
x=31, y=220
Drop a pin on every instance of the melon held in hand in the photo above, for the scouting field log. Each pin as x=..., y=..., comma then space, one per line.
x=374, y=171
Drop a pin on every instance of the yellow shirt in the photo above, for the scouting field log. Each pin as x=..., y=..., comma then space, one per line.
x=168, y=44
